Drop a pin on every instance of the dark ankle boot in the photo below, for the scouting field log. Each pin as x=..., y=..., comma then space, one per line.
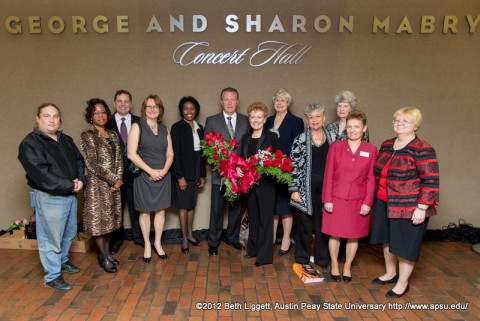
x=104, y=263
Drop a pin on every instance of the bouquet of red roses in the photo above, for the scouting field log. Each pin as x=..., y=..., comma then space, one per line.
x=220, y=155
x=215, y=148
x=276, y=165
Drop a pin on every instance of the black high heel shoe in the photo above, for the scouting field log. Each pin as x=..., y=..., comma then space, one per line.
x=336, y=278
x=347, y=279
x=148, y=259
x=194, y=243
x=162, y=256
x=104, y=264
x=185, y=250
x=283, y=252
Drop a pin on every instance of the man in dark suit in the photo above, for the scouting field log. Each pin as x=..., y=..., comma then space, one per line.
x=121, y=122
x=229, y=124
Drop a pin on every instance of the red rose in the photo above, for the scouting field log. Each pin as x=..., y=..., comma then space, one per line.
x=233, y=143
x=267, y=163
x=269, y=148
x=278, y=154
x=225, y=151
x=215, y=156
x=276, y=162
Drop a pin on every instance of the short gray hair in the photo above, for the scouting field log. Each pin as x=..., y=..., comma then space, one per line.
x=313, y=106
x=346, y=96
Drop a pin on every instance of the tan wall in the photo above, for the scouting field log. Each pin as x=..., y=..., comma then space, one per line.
x=436, y=72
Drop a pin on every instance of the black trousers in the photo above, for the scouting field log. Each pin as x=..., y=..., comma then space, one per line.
x=305, y=227
x=261, y=208
x=217, y=214
x=127, y=197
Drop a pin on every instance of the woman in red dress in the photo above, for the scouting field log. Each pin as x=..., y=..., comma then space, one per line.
x=348, y=190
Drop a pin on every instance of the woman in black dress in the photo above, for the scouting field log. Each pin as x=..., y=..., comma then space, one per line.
x=287, y=126
x=188, y=168
x=261, y=198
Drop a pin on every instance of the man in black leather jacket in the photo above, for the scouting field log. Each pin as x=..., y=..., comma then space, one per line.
x=55, y=172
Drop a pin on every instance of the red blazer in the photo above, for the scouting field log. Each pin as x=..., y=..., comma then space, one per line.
x=350, y=176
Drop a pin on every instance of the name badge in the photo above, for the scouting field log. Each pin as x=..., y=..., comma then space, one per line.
x=364, y=154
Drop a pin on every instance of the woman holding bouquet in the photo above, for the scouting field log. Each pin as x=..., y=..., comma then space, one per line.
x=261, y=204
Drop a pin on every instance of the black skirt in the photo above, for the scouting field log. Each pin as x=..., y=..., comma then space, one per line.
x=188, y=199
x=404, y=238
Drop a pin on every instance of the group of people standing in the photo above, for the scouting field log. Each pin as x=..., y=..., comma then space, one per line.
x=337, y=178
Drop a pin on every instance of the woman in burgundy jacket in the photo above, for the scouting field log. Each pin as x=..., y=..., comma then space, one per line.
x=408, y=187
x=348, y=191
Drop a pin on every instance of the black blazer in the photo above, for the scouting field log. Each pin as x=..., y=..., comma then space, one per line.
x=216, y=123
x=112, y=124
x=182, y=142
x=266, y=139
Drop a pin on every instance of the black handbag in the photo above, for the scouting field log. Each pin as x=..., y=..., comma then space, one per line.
x=134, y=169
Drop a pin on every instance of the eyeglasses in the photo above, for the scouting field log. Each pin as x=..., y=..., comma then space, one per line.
x=96, y=113
x=402, y=122
x=152, y=107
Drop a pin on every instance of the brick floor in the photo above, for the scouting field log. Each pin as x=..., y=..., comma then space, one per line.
x=228, y=287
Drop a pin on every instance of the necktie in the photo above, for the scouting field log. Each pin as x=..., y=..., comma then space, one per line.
x=230, y=127
x=123, y=131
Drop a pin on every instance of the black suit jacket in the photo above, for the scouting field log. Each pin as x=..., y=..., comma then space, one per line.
x=182, y=142
x=216, y=123
x=112, y=124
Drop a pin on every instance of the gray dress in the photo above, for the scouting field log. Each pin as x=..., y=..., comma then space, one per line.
x=150, y=196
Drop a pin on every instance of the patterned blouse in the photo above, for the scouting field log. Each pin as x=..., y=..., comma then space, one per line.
x=333, y=135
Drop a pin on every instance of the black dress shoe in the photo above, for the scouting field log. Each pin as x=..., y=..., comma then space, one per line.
x=194, y=243
x=347, y=279
x=236, y=245
x=147, y=259
x=377, y=281
x=248, y=256
x=336, y=278
x=257, y=264
x=115, y=247
x=112, y=259
x=212, y=250
x=58, y=285
x=185, y=250
x=392, y=295
x=104, y=264
x=69, y=268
